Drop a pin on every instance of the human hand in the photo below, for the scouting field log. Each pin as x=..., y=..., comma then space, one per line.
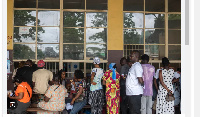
x=94, y=83
x=72, y=102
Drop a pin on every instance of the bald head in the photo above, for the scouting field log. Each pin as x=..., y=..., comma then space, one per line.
x=135, y=56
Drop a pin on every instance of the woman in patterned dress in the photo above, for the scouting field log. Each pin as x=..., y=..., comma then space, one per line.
x=111, y=79
x=166, y=76
x=54, y=100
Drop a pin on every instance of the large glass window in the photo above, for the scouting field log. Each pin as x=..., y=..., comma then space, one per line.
x=145, y=29
x=68, y=32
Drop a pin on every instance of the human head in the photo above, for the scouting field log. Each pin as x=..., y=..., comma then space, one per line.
x=165, y=61
x=21, y=64
x=29, y=62
x=17, y=80
x=78, y=74
x=134, y=57
x=41, y=63
x=55, y=80
x=129, y=62
x=112, y=65
x=96, y=61
x=123, y=61
x=145, y=58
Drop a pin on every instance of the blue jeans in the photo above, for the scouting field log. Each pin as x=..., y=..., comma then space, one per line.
x=78, y=106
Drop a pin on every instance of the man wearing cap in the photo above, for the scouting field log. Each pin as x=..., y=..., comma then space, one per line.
x=23, y=94
x=41, y=77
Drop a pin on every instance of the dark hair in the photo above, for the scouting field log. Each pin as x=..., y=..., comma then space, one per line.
x=165, y=61
x=136, y=51
x=78, y=74
x=59, y=75
x=115, y=66
x=123, y=58
x=29, y=62
x=18, y=79
x=128, y=59
x=179, y=69
x=145, y=57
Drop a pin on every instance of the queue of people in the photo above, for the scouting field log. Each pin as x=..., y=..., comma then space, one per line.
x=131, y=91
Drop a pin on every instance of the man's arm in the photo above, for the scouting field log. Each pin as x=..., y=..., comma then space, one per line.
x=140, y=79
x=155, y=83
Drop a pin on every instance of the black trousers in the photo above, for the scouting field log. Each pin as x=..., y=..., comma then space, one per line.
x=134, y=104
x=123, y=103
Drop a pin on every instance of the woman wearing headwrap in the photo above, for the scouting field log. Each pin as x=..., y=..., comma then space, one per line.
x=111, y=79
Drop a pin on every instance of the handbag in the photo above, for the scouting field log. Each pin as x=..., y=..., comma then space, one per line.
x=169, y=97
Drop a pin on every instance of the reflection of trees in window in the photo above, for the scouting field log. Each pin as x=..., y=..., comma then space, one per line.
x=28, y=19
x=153, y=36
x=23, y=52
x=99, y=20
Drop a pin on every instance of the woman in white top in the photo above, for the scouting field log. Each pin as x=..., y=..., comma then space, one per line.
x=96, y=91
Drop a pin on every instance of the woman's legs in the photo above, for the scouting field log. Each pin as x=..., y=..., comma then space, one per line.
x=78, y=106
x=96, y=101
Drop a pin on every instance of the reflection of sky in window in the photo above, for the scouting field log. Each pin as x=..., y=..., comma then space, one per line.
x=51, y=35
x=91, y=17
x=54, y=46
x=49, y=18
x=92, y=31
x=137, y=18
x=32, y=46
x=150, y=20
x=32, y=13
x=29, y=39
x=100, y=46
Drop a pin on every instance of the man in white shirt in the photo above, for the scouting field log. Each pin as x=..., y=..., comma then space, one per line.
x=134, y=84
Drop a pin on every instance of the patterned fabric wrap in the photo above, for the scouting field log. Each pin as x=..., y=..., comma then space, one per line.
x=82, y=83
x=112, y=92
x=57, y=99
x=96, y=100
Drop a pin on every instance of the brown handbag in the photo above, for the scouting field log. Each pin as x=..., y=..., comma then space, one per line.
x=169, y=97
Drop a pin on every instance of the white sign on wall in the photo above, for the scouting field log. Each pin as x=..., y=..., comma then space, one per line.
x=23, y=30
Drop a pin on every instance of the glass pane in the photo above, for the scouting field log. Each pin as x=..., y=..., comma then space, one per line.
x=174, y=36
x=48, y=18
x=155, y=5
x=24, y=51
x=96, y=50
x=74, y=4
x=154, y=21
x=49, y=4
x=48, y=35
x=174, y=52
x=175, y=65
x=73, y=35
x=133, y=5
x=96, y=19
x=133, y=20
x=70, y=67
x=97, y=4
x=52, y=66
x=133, y=36
x=155, y=36
x=129, y=48
x=24, y=34
x=73, y=51
x=155, y=52
x=174, y=21
x=174, y=5
x=96, y=35
x=48, y=51
x=73, y=19
x=25, y=3
x=24, y=18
